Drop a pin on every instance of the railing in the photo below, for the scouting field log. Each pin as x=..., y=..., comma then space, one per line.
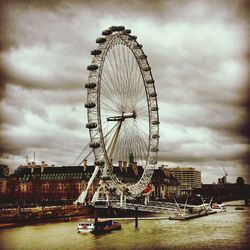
x=146, y=208
x=155, y=206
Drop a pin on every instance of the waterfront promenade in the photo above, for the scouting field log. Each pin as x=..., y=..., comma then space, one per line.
x=34, y=214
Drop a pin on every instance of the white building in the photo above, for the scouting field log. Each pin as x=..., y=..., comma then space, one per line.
x=189, y=178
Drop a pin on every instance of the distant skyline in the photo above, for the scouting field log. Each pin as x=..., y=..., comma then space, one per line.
x=199, y=55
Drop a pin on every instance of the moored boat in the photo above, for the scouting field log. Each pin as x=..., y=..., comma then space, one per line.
x=86, y=226
x=216, y=207
x=98, y=226
x=239, y=208
x=189, y=216
x=105, y=226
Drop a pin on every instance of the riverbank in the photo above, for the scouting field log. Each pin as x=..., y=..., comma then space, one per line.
x=43, y=214
x=235, y=203
x=26, y=216
x=23, y=216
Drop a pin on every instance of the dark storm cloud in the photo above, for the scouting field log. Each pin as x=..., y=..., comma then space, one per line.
x=32, y=37
x=204, y=99
x=59, y=12
x=140, y=5
x=16, y=144
x=200, y=156
x=38, y=111
x=6, y=40
x=228, y=121
x=2, y=83
x=10, y=116
x=9, y=147
x=40, y=104
x=57, y=131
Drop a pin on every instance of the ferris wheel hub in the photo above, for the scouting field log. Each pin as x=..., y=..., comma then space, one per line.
x=122, y=117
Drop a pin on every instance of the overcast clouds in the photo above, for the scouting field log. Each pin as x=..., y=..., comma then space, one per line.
x=199, y=54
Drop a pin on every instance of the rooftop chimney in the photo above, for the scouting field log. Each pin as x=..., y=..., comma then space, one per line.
x=43, y=166
x=33, y=165
x=85, y=164
x=120, y=165
x=125, y=166
x=135, y=168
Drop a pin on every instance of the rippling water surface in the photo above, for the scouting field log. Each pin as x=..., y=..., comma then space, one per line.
x=229, y=230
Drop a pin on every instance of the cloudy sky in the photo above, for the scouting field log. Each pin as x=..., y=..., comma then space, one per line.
x=199, y=55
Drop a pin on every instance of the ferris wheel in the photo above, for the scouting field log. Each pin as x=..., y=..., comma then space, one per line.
x=122, y=108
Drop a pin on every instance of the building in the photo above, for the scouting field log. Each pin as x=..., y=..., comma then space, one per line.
x=166, y=186
x=3, y=185
x=4, y=173
x=189, y=178
x=40, y=183
x=4, y=170
x=45, y=185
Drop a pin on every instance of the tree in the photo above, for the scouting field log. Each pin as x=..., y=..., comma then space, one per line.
x=240, y=181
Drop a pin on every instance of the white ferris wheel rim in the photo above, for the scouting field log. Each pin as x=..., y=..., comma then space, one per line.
x=119, y=36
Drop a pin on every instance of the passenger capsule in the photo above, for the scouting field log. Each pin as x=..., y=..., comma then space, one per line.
x=96, y=52
x=120, y=28
x=92, y=67
x=151, y=81
x=155, y=149
x=138, y=46
x=127, y=31
x=89, y=105
x=94, y=145
x=155, y=136
x=113, y=28
x=146, y=68
x=142, y=56
x=154, y=108
x=107, y=32
x=91, y=125
x=152, y=94
x=155, y=122
x=90, y=85
x=132, y=37
x=101, y=40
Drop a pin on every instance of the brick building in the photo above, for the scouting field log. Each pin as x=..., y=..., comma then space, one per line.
x=43, y=184
x=4, y=173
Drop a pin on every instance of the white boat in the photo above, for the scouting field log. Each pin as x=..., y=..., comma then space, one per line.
x=86, y=226
x=217, y=207
x=98, y=226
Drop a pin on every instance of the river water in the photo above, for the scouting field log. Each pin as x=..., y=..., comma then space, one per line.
x=228, y=230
